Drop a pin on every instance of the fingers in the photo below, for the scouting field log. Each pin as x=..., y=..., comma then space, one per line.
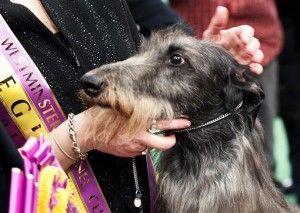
x=230, y=40
x=240, y=37
x=240, y=41
x=218, y=22
x=253, y=62
x=256, y=68
x=123, y=148
x=154, y=141
x=137, y=145
x=145, y=140
x=252, y=46
x=173, y=124
x=246, y=33
x=258, y=56
x=251, y=55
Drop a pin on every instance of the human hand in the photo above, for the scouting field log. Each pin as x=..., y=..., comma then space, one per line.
x=144, y=140
x=62, y=145
x=240, y=40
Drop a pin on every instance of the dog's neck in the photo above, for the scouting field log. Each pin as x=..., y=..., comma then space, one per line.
x=209, y=137
x=223, y=160
x=205, y=144
x=211, y=121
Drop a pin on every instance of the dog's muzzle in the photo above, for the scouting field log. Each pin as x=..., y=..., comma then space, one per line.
x=92, y=84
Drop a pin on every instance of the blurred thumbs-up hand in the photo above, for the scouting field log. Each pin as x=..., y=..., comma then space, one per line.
x=239, y=40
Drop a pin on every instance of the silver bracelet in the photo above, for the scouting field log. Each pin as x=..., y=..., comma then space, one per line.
x=72, y=133
x=61, y=149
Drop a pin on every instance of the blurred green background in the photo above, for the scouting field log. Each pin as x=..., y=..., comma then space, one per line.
x=281, y=156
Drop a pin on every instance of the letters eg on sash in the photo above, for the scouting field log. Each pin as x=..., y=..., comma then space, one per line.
x=17, y=103
x=33, y=107
x=28, y=99
x=31, y=79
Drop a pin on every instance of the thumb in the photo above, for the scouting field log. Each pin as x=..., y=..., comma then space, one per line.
x=218, y=21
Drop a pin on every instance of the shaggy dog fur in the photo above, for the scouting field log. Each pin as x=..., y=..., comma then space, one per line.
x=217, y=168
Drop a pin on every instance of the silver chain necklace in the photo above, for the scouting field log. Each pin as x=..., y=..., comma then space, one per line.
x=138, y=195
x=211, y=121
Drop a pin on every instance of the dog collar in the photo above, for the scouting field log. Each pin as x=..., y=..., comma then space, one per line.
x=221, y=117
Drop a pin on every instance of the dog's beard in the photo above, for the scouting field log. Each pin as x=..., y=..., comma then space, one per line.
x=123, y=117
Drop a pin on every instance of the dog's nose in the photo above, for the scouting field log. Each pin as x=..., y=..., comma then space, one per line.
x=91, y=84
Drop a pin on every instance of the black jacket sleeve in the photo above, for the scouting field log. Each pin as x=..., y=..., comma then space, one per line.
x=9, y=158
x=152, y=15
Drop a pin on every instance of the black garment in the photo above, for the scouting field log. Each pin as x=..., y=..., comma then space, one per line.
x=9, y=158
x=98, y=32
x=95, y=32
x=152, y=15
x=289, y=83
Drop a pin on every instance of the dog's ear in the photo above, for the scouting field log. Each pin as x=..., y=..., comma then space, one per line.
x=241, y=85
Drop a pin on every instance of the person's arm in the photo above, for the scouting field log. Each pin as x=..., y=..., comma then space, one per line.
x=61, y=143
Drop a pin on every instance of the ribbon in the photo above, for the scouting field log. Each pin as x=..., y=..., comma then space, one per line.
x=16, y=191
x=85, y=180
x=40, y=166
x=32, y=106
x=17, y=103
x=152, y=183
x=31, y=79
x=11, y=127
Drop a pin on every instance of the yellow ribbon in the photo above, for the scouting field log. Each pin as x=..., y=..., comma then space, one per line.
x=76, y=198
x=47, y=177
x=62, y=197
x=17, y=103
x=27, y=118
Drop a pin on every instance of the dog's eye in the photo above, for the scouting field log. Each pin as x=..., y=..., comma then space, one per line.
x=177, y=59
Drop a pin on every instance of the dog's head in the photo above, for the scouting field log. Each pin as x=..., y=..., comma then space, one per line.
x=173, y=75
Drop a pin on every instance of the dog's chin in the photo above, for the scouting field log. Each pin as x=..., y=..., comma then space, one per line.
x=103, y=105
x=92, y=102
x=99, y=104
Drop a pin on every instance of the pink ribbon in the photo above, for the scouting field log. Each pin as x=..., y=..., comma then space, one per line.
x=36, y=151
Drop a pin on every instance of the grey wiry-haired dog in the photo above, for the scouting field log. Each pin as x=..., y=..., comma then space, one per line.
x=218, y=164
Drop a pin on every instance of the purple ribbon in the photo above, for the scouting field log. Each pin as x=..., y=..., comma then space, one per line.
x=49, y=110
x=32, y=80
x=36, y=154
x=11, y=127
x=152, y=184
x=16, y=203
x=89, y=189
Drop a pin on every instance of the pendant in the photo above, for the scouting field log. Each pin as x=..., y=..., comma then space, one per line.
x=137, y=202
